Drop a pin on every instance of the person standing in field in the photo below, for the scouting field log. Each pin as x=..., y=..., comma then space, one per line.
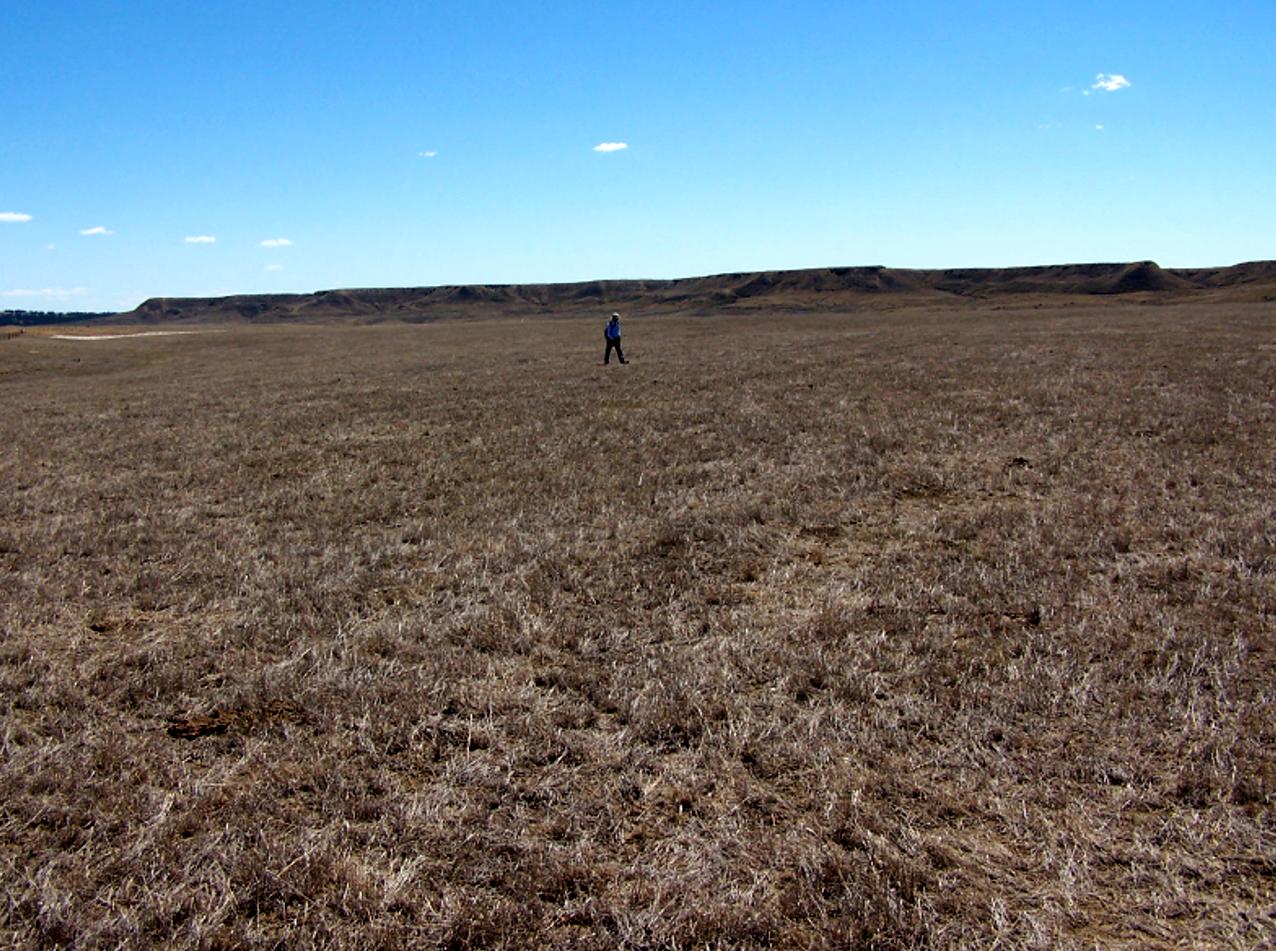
x=611, y=333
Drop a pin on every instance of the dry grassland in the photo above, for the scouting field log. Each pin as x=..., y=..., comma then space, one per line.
x=902, y=630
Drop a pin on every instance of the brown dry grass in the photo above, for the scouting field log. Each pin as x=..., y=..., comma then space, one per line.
x=897, y=630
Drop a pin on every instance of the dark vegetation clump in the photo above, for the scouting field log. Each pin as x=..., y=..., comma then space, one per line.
x=924, y=629
x=37, y=318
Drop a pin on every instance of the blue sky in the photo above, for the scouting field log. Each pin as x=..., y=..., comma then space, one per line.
x=416, y=143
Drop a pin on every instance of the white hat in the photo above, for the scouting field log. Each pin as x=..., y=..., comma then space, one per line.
x=615, y=314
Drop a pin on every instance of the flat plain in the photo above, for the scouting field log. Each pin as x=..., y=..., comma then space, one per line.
x=922, y=628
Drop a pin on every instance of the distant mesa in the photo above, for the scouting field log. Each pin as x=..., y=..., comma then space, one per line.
x=814, y=289
x=833, y=289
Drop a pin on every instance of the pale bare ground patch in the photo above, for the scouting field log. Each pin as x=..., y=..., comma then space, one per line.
x=96, y=336
x=921, y=629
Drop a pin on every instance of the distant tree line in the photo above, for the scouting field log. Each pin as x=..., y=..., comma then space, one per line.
x=33, y=318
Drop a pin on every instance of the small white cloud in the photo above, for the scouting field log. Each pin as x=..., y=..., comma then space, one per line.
x=97, y=230
x=277, y=243
x=52, y=293
x=201, y=239
x=427, y=154
x=14, y=216
x=1099, y=127
x=1110, y=83
x=50, y=247
x=611, y=146
x=274, y=267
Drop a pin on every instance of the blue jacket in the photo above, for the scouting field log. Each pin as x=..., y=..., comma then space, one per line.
x=612, y=330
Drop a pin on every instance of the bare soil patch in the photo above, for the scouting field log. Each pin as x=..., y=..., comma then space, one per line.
x=123, y=336
x=913, y=629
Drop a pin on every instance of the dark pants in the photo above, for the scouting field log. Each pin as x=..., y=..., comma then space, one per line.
x=613, y=345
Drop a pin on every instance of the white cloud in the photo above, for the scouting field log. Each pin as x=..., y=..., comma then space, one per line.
x=97, y=230
x=276, y=243
x=1099, y=127
x=14, y=216
x=611, y=146
x=201, y=239
x=1110, y=83
x=50, y=247
x=54, y=293
x=274, y=267
x=427, y=154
